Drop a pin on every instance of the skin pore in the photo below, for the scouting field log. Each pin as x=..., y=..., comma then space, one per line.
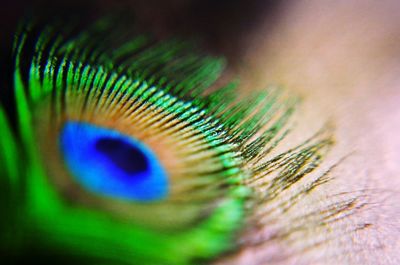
x=342, y=59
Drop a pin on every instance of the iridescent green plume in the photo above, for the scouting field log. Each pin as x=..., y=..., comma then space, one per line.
x=125, y=152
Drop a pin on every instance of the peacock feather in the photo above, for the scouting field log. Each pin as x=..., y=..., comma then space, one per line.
x=127, y=150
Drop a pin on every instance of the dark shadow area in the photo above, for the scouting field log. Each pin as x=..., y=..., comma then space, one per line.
x=220, y=27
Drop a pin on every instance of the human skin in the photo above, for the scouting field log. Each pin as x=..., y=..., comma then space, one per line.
x=342, y=58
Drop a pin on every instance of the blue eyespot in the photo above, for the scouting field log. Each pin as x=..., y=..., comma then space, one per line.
x=112, y=164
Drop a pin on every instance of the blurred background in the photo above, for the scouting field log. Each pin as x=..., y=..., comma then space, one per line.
x=341, y=57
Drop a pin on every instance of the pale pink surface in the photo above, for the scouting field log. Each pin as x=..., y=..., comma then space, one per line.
x=343, y=57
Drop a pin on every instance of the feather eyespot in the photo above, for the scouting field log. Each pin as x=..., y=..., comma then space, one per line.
x=127, y=146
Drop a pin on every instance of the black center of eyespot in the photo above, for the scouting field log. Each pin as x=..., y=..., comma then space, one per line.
x=123, y=154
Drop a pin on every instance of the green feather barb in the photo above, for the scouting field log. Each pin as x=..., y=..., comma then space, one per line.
x=211, y=143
